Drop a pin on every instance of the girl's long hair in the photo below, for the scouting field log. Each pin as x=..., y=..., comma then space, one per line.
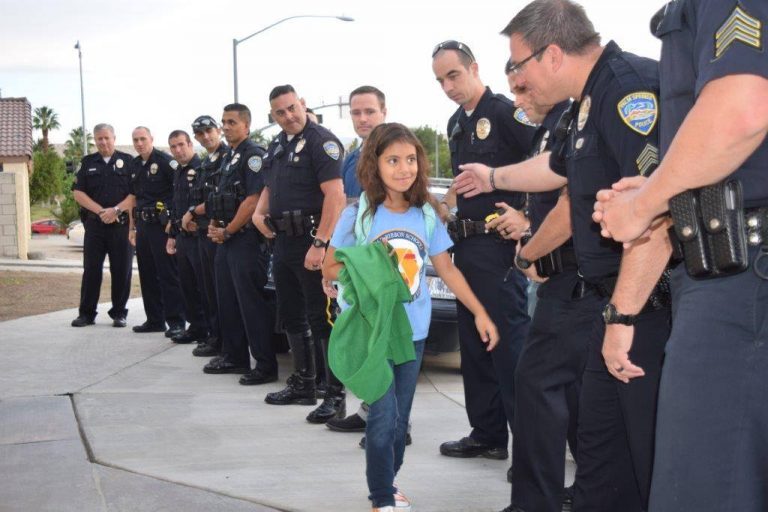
x=379, y=140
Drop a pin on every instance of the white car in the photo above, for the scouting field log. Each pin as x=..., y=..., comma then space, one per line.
x=76, y=232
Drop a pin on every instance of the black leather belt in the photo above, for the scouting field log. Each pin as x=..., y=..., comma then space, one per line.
x=465, y=228
x=660, y=297
x=294, y=223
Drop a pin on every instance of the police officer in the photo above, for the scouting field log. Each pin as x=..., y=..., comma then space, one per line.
x=101, y=188
x=208, y=134
x=241, y=258
x=183, y=242
x=557, y=54
x=152, y=191
x=485, y=128
x=301, y=203
x=712, y=418
x=548, y=374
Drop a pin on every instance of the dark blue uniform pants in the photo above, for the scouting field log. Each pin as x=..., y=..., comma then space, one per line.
x=207, y=250
x=617, y=421
x=158, y=275
x=102, y=240
x=301, y=302
x=712, y=430
x=241, y=273
x=489, y=387
x=547, y=386
x=190, y=276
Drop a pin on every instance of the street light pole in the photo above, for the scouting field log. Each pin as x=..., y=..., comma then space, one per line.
x=82, y=98
x=236, y=42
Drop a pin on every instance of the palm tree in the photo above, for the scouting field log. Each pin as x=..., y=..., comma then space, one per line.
x=45, y=119
x=74, y=146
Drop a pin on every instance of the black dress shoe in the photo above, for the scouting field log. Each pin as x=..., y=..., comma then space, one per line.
x=148, y=327
x=205, y=350
x=256, y=377
x=352, y=423
x=188, y=337
x=224, y=365
x=82, y=321
x=467, y=447
x=408, y=441
x=119, y=321
x=174, y=330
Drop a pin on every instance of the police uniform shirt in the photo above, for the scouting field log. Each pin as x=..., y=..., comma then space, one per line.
x=704, y=40
x=294, y=170
x=207, y=177
x=611, y=136
x=541, y=203
x=107, y=183
x=495, y=134
x=183, y=182
x=152, y=181
x=243, y=165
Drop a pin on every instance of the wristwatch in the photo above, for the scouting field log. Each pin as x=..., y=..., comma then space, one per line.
x=117, y=210
x=192, y=211
x=319, y=243
x=522, y=263
x=612, y=316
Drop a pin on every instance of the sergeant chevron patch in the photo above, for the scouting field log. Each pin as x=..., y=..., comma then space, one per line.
x=740, y=27
x=649, y=157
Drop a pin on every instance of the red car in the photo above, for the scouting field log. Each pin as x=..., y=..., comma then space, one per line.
x=48, y=227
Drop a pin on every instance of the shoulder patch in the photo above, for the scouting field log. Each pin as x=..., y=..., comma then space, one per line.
x=522, y=118
x=254, y=163
x=639, y=111
x=174, y=164
x=741, y=27
x=332, y=149
x=648, y=158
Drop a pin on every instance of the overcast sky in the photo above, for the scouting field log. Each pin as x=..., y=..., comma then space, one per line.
x=161, y=63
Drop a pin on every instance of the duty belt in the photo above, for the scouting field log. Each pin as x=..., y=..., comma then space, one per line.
x=151, y=215
x=295, y=223
x=556, y=262
x=660, y=297
x=465, y=228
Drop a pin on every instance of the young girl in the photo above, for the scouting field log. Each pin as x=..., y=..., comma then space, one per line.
x=393, y=171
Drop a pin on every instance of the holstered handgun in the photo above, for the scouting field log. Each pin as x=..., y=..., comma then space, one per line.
x=549, y=264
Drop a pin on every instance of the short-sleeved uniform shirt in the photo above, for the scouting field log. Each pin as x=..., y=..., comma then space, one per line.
x=613, y=135
x=152, y=181
x=183, y=181
x=352, y=186
x=295, y=168
x=243, y=164
x=108, y=182
x=407, y=233
x=703, y=40
x=495, y=134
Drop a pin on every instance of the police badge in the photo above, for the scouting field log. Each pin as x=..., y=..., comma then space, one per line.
x=483, y=128
x=119, y=163
x=235, y=159
x=300, y=145
x=153, y=169
x=586, y=104
x=191, y=175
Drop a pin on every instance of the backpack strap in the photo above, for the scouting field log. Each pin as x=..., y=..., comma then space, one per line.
x=364, y=222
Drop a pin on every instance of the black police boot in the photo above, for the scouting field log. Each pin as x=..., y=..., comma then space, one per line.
x=149, y=327
x=300, y=387
x=189, y=336
x=334, y=406
x=209, y=348
x=82, y=321
x=174, y=330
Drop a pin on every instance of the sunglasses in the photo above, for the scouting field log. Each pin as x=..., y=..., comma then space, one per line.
x=454, y=45
x=202, y=124
x=514, y=69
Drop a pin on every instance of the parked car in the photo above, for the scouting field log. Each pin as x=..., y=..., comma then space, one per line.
x=48, y=227
x=76, y=232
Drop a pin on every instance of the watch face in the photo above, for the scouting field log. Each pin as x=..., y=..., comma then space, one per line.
x=608, y=313
x=318, y=243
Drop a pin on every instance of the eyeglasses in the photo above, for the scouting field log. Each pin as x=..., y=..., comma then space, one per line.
x=516, y=68
x=454, y=45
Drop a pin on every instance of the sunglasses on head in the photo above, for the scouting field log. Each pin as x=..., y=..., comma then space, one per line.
x=203, y=123
x=454, y=45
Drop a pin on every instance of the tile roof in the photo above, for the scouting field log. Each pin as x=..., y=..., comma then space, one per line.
x=15, y=127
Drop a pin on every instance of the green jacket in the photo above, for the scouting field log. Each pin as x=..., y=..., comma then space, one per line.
x=375, y=328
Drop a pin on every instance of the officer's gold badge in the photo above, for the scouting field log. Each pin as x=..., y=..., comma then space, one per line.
x=153, y=169
x=191, y=175
x=586, y=104
x=119, y=163
x=483, y=128
x=300, y=145
x=741, y=27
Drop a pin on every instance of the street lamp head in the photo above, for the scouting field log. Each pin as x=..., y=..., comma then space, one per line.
x=77, y=45
x=345, y=18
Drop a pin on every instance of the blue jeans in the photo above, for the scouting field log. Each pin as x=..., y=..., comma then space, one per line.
x=386, y=428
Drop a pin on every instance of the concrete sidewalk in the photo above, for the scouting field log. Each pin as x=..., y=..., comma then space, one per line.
x=102, y=419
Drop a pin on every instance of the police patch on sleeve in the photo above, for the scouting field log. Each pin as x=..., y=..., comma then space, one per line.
x=332, y=149
x=739, y=27
x=254, y=163
x=649, y=157
x=522, y=118
x=639, y=111
x=174, y=164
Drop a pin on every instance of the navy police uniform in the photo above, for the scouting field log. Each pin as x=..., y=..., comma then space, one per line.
x=107, y=183
x=241, y=267
x=611, y=136
x=205, y=181
x=188, y=253
x=152, y=184
x=712, y=417
x=294, y=169
x=496, y=134
x=548, y=375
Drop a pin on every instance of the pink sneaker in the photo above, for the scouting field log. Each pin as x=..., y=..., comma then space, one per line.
x=402, y=504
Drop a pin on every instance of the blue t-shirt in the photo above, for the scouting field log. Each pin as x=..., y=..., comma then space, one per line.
x=352, y=187
x=407, y=233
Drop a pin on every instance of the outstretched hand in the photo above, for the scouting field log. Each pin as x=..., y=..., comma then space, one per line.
x=473, y=180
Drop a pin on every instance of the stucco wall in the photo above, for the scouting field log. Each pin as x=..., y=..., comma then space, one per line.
x=15, y=223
